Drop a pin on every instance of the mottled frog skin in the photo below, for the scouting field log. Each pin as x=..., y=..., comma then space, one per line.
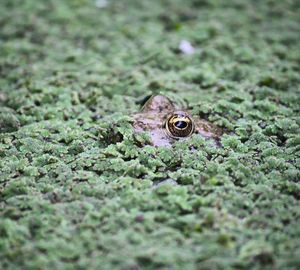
x=154, y=117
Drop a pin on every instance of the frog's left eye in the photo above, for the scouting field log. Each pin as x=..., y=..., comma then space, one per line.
x=179, y=125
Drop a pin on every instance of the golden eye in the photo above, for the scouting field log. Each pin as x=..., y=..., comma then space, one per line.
x=179, y=125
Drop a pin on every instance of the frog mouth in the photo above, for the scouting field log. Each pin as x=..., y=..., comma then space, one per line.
x=179, y=125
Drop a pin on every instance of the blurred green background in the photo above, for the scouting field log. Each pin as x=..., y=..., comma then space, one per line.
x=78, y=190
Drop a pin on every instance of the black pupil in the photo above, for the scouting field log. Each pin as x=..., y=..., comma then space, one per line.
x=181, y=124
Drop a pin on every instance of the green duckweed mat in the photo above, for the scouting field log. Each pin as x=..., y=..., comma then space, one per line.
x=80, y=190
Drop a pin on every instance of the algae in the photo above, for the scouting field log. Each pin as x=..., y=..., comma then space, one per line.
x=80, y=190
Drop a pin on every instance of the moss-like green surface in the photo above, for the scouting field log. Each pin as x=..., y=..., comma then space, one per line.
x=78, y=190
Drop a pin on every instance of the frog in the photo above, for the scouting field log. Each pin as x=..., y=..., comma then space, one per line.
x=167, y=122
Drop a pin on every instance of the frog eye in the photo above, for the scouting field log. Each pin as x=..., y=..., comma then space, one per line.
x=179, y=125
